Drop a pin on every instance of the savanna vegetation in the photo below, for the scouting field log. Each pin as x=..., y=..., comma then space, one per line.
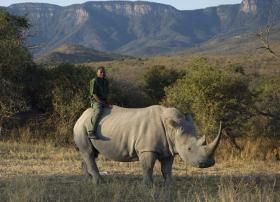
x=39, y=104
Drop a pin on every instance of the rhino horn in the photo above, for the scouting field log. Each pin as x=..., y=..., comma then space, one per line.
x=210, y=148
x=202, y=141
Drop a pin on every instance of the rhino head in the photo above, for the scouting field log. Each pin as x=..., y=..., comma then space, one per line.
x=193, y=151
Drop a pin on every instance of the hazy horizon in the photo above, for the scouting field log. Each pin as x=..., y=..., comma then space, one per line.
x=179, y=4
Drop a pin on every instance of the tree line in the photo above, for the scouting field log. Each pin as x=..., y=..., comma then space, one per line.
x=247, y=104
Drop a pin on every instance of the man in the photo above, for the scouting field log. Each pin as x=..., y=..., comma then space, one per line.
x=99, y=89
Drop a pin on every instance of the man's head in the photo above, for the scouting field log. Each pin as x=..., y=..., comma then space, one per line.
x=100, y=72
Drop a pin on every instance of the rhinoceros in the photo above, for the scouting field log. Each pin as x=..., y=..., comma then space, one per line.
x=145, y=135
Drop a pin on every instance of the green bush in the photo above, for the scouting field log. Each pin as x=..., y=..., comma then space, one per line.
x=66, y=95
x=127, y=94
x=156, y=79
x=212, y=94
x=15, y=65
x=266, y=122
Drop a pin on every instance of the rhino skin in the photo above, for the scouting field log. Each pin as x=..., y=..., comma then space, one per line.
x=145, y=135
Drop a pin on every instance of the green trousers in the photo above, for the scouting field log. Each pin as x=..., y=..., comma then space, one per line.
x=98, y=110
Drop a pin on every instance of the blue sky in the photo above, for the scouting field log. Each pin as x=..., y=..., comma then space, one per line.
x=179, y=4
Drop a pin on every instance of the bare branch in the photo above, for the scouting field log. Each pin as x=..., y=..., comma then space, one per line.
x=264, y=36
x=264, y=33
x=268, y=114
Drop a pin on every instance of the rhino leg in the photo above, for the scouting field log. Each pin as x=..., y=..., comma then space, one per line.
x=85, y=171
x=166, y=169
x=91, y=166
x=88, y=154
x=147, y=161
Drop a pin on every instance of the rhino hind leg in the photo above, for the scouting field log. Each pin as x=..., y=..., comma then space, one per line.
x=88, y=154
x=91, y=167
x=166, y=170
x=147, y=161
x=84, y=165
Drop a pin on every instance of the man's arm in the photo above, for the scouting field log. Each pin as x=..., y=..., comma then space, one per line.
x=93, y=90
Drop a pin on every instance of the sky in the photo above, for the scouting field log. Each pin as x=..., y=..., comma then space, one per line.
x=179, y=4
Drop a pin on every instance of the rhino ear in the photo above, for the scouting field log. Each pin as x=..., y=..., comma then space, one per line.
x=189, y=117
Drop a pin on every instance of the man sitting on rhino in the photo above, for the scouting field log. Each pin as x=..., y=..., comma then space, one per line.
x=99, y=89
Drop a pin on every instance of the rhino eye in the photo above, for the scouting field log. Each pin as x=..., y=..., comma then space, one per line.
x=189, y=149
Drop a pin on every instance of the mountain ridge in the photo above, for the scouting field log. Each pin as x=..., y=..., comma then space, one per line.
x=139, y=28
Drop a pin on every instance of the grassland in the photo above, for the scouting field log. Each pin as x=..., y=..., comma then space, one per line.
x=257, y=62
x=44, y=172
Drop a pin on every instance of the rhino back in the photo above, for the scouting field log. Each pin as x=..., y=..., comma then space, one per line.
x=127, y=132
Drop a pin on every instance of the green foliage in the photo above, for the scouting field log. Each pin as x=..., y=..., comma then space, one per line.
x=15, y=65
x=266, y=122
x=127, y=94
x=65, y=94
x=213, y=95
x=11, y=40
x=157, y=78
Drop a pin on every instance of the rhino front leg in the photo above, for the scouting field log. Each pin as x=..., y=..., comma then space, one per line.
x=166, y=169
x=147, y=161
x=85, y=171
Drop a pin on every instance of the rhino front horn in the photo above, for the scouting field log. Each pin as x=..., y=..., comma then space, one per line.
x=211, y=148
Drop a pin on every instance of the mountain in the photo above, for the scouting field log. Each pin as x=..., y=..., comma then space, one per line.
x=71, y=53
x=141, y=28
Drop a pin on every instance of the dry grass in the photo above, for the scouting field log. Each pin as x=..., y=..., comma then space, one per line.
x=43, y=172
x=259, y=62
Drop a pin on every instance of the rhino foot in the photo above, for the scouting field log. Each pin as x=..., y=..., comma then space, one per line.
x=168, y=183
x=97, y=180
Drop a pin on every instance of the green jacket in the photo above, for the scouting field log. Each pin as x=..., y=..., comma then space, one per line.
x=99, y=87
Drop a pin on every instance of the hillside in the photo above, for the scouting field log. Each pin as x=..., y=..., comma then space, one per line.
x=70, y=53
x=248, y=43
x=141, y=28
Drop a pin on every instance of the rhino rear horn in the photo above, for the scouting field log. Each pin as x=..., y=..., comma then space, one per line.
x=211, y=148
x=202, y=141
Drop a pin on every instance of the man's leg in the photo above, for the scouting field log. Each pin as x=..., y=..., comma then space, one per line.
x=98, y=109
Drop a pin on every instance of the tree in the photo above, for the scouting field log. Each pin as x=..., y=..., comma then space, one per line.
x=156, y=78
x=264, y=33
x=15, y=64
x=266, y=122
x=264, y=37
x=212, y=94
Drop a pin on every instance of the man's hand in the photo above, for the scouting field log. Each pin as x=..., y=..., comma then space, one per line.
x=102, y=102
x=96, y=98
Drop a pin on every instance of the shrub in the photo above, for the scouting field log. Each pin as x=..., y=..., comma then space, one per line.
x=66, y=94
x=127, y=94
x=156, y=79
x=266, y=121
x=15, y=63
x=213, y=95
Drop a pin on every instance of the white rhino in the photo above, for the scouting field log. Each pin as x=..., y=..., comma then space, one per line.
x=146, y=134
